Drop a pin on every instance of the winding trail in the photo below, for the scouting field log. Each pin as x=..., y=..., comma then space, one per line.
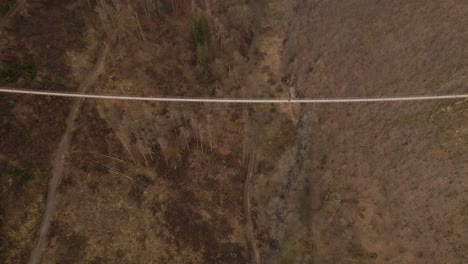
x=59, y=159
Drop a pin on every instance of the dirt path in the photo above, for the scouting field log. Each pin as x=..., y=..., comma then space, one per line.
x=59, y=160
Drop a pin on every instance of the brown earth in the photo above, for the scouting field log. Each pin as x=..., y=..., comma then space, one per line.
x=167, y=183
x=373, y=183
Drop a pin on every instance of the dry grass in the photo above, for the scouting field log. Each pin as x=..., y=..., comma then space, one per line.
x=21, y=215
x=120, y=18
x=384, y=162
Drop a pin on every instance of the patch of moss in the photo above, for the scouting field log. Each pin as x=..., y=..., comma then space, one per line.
x=21, y=177
x=293, y=247
x=4, y=9
x=11, y=71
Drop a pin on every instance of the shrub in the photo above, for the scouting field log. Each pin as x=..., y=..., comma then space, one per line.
x=201, y=39
x=199, y=31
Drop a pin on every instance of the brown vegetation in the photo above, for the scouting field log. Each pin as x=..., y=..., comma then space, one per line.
x=196, y=183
